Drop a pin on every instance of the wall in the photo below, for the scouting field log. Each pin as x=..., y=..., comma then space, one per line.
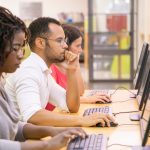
x=143, y=23
x=8, y=4
x=50, y=7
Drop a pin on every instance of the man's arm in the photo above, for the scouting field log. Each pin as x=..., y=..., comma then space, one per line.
x=80, y=80
x=44, y=117
x=72, y=91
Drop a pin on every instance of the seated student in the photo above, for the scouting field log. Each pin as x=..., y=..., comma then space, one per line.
x=74, y=42
x=31, y=87
x=13, y=36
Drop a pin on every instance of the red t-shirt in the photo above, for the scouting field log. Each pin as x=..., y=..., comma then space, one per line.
x=60, y=79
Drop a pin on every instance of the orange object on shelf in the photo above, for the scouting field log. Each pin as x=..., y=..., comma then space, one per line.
x=116, y=23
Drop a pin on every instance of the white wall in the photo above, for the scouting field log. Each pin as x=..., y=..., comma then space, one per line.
x=143, y=23
x=8, y=4
x=50, y=7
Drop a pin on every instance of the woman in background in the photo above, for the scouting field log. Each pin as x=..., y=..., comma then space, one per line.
x=13, y=133
x=74, y=40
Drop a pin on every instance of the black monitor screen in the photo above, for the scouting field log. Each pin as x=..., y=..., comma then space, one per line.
x=140, y=66
x=145, y=122
x=144, y=84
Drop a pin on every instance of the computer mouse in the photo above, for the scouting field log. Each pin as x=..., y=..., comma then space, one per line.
x=99, y=102
x=112, y=124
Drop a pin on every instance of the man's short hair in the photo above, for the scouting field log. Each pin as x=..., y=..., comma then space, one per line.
x=39, y=27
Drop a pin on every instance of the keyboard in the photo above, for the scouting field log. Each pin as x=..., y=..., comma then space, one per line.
x=141, y=148
x=92, y=142
x=105, y=109
x=93, y=92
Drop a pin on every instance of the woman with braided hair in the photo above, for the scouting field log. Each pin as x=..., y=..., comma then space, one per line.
x=13, y=133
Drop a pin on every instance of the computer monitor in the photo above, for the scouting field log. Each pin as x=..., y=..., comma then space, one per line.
x=142, y=100
x=145, y=122
x=140, y=66
x=143, y=90
x=146, y=134
x=145, y=115
x=145, y=127
x=145, y=93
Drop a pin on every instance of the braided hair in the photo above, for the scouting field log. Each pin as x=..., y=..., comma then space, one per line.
x=9, y=25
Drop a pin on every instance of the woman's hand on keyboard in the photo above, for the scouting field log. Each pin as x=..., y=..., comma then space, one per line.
x=96, y=98
x=61, y=140
x=95, y=118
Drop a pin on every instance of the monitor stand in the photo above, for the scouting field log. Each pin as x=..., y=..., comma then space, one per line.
x=135, y=117
x=141, y=148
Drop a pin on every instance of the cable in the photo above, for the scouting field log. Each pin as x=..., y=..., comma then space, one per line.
x=122, y=101
x=144, y=119
x=123, y=112
x=119, y=145
x=122, y=88
x=127, y=124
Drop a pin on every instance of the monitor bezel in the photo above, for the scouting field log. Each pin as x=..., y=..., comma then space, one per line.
x=144, y=138
x=145, y=93
x=137, y=83
x=146, y=134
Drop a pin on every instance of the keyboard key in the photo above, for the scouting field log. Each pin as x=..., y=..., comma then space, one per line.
x=105, y=109
x=92, y=142
x=93, y=92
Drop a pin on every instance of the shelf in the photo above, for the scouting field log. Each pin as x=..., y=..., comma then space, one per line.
x=110, y=52
x=111, y=40
x=110, y=14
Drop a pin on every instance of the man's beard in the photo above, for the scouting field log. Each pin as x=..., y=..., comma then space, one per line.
x=58, y=60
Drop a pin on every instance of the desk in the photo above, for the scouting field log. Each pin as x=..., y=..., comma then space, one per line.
x=123, y=134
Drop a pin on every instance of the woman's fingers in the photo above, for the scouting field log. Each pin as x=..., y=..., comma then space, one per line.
x=102, y=98
x=69, y=56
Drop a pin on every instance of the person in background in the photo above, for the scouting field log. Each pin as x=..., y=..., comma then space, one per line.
x=74, y=42
x=31, y=87
x=13, y=133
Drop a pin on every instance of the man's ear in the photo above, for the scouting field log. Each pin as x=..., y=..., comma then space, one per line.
x=40, y=43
